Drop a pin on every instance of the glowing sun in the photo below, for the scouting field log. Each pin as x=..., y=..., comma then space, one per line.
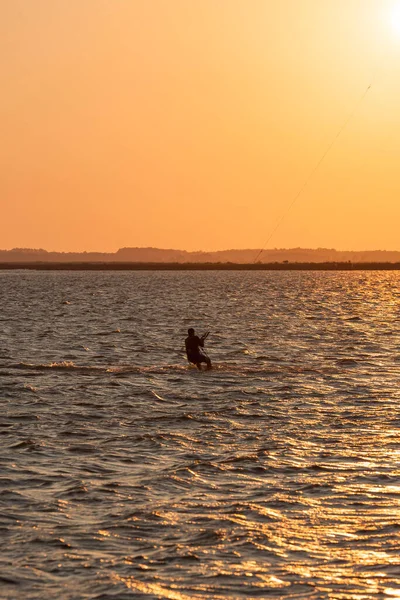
x=395, y=18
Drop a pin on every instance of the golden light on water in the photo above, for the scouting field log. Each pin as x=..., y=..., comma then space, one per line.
x=318, y=534
x=392, y=593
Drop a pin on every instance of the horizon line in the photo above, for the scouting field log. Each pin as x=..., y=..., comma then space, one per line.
x=199, y=251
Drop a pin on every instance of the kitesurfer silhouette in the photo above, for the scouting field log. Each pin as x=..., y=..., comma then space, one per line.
x=194, y=345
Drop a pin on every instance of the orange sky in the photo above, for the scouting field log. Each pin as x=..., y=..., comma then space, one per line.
x=193, y=123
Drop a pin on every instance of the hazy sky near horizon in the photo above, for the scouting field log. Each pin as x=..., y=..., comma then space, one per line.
x=193, y=123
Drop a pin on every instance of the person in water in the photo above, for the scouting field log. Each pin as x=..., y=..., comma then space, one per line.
x=193, y=345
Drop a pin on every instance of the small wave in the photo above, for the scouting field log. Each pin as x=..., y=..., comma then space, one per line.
x=232, y=368
x=106, y=333
x=239, y=352
x=158, y=397
x=9, y=580
x=82, y=449
x=347, y=362
x=58, y=366
x=30, y=388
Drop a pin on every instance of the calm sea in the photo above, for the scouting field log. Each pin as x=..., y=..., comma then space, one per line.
x=127, y=474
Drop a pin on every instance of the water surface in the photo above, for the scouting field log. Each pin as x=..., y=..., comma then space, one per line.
x=127, y=474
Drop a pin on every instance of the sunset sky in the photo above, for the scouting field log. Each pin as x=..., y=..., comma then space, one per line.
x=192, y=124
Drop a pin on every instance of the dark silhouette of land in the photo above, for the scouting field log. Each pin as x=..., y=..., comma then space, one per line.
x=139, y=257
x=209, y=266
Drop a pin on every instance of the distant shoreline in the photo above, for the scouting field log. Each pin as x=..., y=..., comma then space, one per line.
x=149, y=266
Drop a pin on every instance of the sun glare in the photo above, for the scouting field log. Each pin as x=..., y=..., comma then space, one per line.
x=395, y=18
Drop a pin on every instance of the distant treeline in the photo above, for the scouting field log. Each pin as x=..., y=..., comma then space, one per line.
x=152, y=266
x=159, y=256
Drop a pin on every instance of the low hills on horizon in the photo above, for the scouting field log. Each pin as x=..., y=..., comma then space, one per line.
x=157, y=255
